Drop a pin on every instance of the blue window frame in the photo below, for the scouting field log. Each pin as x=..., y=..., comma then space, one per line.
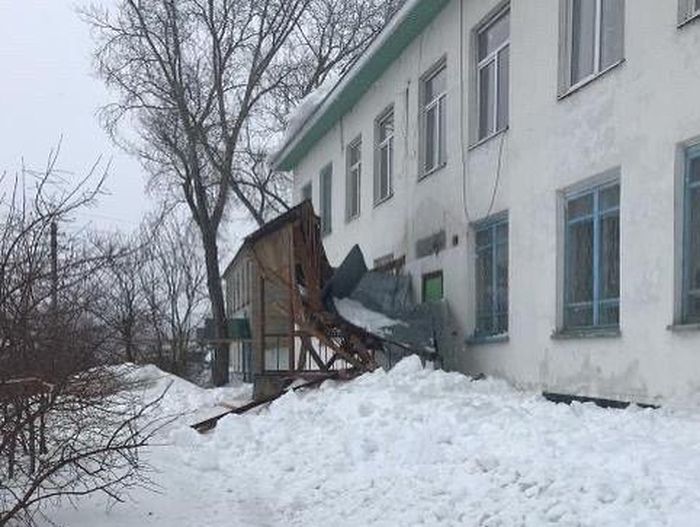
x=592, y=245
x=691, y=268
x=492, y=278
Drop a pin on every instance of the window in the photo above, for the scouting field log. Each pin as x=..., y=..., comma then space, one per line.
x=384, y=157
x=434, y=95
x=432, y=287
x=691, y=278
x=592, y=255
x=594, y=38
x=306, y=192
x=492, y=279
x=493, y=45
x=353, y=179
x=326, y=199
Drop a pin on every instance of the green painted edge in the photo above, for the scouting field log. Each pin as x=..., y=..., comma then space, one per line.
x=414, y=22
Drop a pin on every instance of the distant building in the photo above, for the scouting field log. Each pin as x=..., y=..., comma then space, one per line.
x=538, y=165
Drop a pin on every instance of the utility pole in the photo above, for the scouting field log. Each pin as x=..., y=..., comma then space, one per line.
x=54, y=269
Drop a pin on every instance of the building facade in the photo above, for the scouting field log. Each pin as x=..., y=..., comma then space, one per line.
x=537, y=164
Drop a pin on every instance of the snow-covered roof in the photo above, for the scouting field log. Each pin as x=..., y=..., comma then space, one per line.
x=322, y=110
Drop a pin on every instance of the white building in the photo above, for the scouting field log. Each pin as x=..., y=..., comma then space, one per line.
x=539, y=164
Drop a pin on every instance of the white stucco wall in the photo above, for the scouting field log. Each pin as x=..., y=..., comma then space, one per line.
x=634, y=117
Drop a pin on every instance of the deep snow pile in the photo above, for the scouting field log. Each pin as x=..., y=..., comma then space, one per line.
x=422, y=447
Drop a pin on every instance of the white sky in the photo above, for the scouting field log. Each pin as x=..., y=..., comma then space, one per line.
x=48, y=90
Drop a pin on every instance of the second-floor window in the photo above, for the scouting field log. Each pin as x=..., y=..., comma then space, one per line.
x=595, y=38
x=384, y=157
x=493, y=43
x=326, y=199
x=354, y=178
x=434, y=119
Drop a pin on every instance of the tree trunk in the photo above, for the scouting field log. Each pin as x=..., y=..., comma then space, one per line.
x=220, y=363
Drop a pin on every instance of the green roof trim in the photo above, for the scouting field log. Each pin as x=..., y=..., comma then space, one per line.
x=360, y=80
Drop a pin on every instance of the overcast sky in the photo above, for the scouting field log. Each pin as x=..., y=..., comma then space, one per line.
x=48, y=90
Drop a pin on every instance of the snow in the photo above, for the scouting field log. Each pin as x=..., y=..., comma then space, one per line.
x=416, y=446
x=362, y=317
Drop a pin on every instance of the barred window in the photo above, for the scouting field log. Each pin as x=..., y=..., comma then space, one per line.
x=492, y=279
x=691, y=287
x=592, y=244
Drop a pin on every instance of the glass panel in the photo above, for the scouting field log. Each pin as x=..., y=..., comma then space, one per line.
x=487, y=86
x=611, y=32
x=503, y=90
x=435, y=86
x=610, y=198
x=580, y=263
x=694, y=169
x=306, y=192
x=354, y=153
x=579, y=316
x=582, y=39
x=326, y=200
x=484, y=286
x=386, y=127
x=501, y=281
x=483, y=238
x=610, y=257
x=442, y=131
x=494, y=35
x=579, y=207
x=609, y=314
x=697, y=5
x=430, y=132
x=384, y=168
x=693, y=266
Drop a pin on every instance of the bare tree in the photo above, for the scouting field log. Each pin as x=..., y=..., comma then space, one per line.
x=173, y=283
x=67, y=426
x=196, y=76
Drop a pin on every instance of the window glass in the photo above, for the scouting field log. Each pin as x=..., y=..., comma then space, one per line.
x=493, y=36
x=435, y=86
x=692, y=238
x=354, y=176
x=326, y=199
x=487, y=85
x=492, y=279
x=583, y=25
x=593, y=259
x=503, y=88
x=611, y=34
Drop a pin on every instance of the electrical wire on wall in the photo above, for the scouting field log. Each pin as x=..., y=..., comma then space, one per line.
x=463, y=144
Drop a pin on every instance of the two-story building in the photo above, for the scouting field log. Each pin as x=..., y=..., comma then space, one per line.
x=537, y=164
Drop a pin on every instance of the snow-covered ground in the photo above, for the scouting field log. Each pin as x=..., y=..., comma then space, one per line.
x=416, y=447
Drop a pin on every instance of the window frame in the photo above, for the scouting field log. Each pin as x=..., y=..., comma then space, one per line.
x=492, y=226
x=596, y=216
x=353, y=179
x=495, y=57
x=691, y=153
x=380, y=145
x=326, y=199
x=438, y=102
x=566, y=36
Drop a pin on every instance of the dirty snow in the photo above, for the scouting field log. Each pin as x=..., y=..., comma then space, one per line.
x=417, y=447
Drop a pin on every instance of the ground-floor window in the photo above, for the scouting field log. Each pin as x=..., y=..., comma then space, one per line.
x=433, y=287
x=592, y=253
x=492, y=278
x=691, y=302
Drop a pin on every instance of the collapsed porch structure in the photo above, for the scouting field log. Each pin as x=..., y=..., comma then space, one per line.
x=295, y=317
